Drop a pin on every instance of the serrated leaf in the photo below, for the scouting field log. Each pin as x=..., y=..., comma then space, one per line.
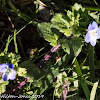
x=67, y=24
x=76, y=45
x=73, y=46
x=62, y=23
x=47, y=33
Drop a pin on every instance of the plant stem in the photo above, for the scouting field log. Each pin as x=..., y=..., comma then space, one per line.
x=15, y=43
x=91, y=62
x=7, y=44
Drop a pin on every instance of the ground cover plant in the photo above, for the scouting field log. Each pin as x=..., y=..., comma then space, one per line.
x=49, y=50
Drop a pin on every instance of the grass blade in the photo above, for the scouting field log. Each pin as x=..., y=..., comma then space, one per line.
x=81, y=79
x=93, y=92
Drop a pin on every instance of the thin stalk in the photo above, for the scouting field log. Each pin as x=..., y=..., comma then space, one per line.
x=11, y=37
x=92, y=9
x=36, y=6
x=7, y=45
x=95, y=2
x=15, y=43
x=91, y=62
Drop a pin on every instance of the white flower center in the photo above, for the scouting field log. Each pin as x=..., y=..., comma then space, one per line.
x=93, y=31
x=9, y=70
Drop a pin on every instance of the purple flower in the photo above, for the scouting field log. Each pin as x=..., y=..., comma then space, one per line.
x=93, y=33
x=8, y=71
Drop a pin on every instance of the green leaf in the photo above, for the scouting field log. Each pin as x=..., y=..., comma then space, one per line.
x=66, y=32
x=65, y=45
x=48, y=33
x=93, y=92
x=3, y=86
x=62, y=23
x=94, y=15
x=29, y=92
x=32, y=71
x=73, y=46
x=77, y=7
x=76, y=45
x=61, y=20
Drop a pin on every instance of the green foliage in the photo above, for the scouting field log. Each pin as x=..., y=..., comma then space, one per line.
x=62, y=79
x=53, y=72
x=68, y=30
x=94, y=15
x=61, y=22
x=32, y=71
x=74, y=23
x=3, y=86
x=81, y=79
x=93, y=92
x=73, y=46
x=48, y=33
x=9, y=57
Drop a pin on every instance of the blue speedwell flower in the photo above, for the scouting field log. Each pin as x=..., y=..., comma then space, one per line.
x=93, y=33
x=8, y=72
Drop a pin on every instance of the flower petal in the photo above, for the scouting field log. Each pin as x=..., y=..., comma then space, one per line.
x=98, y=33
x=5, y=76
x=11, y=66
x=94, y=25
x=87, y=38
x=90, y=27
x=3, y=67
x=12, y=75
x=93, y=41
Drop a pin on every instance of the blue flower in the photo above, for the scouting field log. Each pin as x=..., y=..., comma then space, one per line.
x=93, y=33
x=8, y=71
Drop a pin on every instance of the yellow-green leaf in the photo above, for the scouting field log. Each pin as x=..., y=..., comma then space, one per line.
x=66, y=32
